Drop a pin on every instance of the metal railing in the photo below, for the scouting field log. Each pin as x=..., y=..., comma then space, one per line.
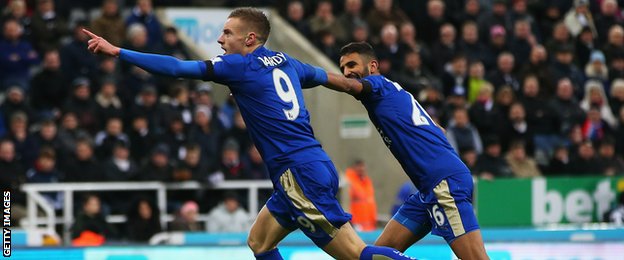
x=34, y=198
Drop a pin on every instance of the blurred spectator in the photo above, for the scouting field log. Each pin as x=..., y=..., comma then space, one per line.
x=175, y=137
x=485, y=115
x=504, y=72
x=469, y=157
x=595, y=96
x=207, y=135
x=456, y=79
x=135, y=77
x=522, y=41
x=47, y=27
x=491, y=164
x=432, y=101
x=239, y=132
x=120, y=167
x=14, y=102
x=498, y=16
x=619, y=134
x=616, y=66
x=519, y=11
x=231, y=165
x=324, y=21
x=83, y=166
x=110, y=25
x=595, y=128
x=25, y=145
x=92, y=219
x=143, y=13
x=69, y=131
x=414, y=77
x=326, y=42
x=596, y=67
x=560, y=36
x=551, y=16
x=49, y=87
x=173, y=46
x=461, y=134
x=584, y=47
x=615, y=42
x=520, y=163
x=12, y=176
x=476, y=80
x=76, y=59
x=81, y=104
x=518, y=129
x=44, y=171
x=143, y=221
x=471, y=12
x=141, y=137
x=192, y=166
x=617, y=96
x=470, y=44
x=362, y=206
x=108, y=103
x=560, y=162
x=186, y=218
x=295, y=15
x=541, y=119
x=445, y=49
x=180, y=105
x=456, y=100
x=434, y=19
x=616, y=215
x=607, y=17
x=408, y=37
x=404, y=192
x=106, y=138
x=360, y=33
x=16, y=57
x=228, y=216
x=503, y=99
x=352, y=17
x=497, y=44
x=47, y=136
x=586, y=163
x=578, y=17
x=563, y=67
x=255, y=165
x=610, y=162
x=108, y=72
x=16, y=10
x=157, y=167
x=147, y=105
x=390, y=49
x=538, y=65
x=384, y=13
x=565, y=106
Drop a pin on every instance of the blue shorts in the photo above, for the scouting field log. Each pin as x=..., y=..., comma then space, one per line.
x=305, y=198
x=446, y=210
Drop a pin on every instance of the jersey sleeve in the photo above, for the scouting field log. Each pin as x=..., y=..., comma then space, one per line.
x=370, y=88
x=225, y=69
x=309, y=76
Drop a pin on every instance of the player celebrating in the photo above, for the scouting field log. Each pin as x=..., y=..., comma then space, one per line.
x=267, y=88
x=443, y=202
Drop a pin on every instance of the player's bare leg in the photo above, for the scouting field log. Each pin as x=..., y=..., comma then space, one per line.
x=398, y=236
x=346, y=244
x=470, y=246
x=265, y=232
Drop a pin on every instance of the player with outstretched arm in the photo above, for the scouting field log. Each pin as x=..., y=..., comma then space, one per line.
x=443, y=201
x=267, y=88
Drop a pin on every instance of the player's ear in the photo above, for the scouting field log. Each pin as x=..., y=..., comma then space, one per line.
x=250, y=39
x=373, y=66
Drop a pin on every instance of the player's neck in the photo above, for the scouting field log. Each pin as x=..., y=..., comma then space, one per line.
x=251, y=49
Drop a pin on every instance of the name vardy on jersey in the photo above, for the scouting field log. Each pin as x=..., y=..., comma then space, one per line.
x=273, y=60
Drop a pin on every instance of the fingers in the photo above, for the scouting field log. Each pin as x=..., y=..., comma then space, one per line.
x=92, y=35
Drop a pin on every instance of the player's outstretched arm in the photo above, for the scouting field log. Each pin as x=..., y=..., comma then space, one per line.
x=343, y=84
x=154, y=63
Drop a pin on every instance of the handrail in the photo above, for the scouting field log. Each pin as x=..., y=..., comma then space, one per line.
x=33, y=190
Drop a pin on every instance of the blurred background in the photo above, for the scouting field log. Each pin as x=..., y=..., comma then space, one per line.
x=107, y=161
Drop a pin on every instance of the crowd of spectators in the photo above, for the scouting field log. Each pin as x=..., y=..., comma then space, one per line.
x=524, y=88
x=67, y=115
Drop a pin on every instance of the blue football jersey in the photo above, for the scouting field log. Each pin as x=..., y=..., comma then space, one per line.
x=413, y=138
x=267, y=88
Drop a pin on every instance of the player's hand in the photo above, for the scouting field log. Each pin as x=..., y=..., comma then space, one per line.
x=98, y=44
